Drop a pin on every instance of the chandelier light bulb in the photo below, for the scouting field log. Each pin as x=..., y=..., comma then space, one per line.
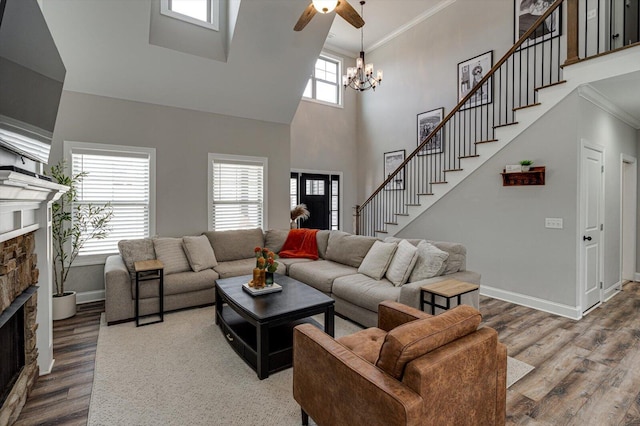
x=325, y=6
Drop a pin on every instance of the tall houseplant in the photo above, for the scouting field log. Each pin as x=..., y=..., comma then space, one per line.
x=72, y=225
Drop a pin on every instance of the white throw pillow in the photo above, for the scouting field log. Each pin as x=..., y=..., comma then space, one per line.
x=402, y=263
x=377, y=260
x=199, y=253
x=169, y=251
x=430, y=262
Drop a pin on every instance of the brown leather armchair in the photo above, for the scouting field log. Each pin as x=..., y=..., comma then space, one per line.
x=413, y=369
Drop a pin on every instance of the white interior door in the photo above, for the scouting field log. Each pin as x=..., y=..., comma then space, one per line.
x=591, y=220
x=628, y=221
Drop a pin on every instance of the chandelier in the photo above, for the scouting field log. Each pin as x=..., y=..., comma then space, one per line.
x=361, y=77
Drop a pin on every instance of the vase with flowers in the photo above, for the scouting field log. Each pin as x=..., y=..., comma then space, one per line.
x=266, y=265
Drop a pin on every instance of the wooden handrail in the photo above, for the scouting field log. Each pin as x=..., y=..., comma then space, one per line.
x=460, y=104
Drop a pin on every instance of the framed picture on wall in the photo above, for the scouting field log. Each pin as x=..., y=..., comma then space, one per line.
x=470, y=73
x=392, y=161
x=427, y=122
x=527, y=12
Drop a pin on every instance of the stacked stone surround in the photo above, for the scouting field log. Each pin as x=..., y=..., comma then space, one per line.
x=18, y=271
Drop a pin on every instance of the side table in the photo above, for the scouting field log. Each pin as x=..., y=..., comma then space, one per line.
x=447, y=289
x=148, y=270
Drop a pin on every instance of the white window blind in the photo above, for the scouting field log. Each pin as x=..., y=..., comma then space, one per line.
x=237, y=200
x=123, y=179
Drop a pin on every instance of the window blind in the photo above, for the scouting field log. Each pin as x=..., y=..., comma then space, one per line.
x=238, y=195
x=123, y=179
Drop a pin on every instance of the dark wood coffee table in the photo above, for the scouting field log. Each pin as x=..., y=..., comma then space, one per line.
x=260, y=328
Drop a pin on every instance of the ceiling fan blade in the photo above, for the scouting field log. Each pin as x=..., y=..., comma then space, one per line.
x=305, y=17
x=349, y=14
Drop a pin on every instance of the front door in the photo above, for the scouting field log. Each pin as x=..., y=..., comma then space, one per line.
x=314, y=192
x=591, y=220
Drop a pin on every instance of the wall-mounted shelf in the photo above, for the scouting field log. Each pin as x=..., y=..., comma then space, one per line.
x=535, y=176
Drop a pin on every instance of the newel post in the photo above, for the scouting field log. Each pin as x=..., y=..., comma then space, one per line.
x=356, y=220
x=572, y=32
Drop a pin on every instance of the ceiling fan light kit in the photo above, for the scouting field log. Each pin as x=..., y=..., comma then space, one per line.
x=325, y=6
x=361, y=77
x=342, y=8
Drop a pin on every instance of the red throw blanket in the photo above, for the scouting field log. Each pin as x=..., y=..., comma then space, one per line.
x=300, y=243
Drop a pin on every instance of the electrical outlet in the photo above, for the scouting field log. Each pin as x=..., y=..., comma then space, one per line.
x=591, y=14
x=553, y=222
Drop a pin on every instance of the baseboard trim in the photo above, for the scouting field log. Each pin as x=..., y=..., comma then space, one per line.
x=611, y=291
x=572, y=312
x=48, y=371
x=636, y=276
x=89, y=296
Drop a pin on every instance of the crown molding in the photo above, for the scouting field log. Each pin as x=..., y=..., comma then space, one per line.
x=601, y=101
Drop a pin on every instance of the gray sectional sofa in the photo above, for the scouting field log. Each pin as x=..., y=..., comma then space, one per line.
x=358, y=272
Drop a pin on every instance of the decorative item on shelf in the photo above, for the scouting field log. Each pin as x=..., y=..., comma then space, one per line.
x=360, y=77
x=526, y=165
x=298, y=212
x=265, y=265
x=535, y=176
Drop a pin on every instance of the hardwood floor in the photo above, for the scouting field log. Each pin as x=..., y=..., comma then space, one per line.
x=587, y=372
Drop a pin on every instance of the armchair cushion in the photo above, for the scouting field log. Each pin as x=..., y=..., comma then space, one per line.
x=365, y=343
x=409, y=341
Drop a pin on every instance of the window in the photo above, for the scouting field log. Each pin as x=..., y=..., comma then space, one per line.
x=237, y=187
x=204, y=13
x=324, y=83
x=120, y=175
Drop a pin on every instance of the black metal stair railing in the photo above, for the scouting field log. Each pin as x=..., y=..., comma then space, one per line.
x=535, y=61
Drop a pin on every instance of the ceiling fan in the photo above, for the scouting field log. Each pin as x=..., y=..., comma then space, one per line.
x=342, y=8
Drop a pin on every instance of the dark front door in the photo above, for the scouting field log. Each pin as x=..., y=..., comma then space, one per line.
x=314, y=192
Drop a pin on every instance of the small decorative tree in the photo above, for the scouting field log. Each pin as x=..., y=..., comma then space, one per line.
x=73, y=225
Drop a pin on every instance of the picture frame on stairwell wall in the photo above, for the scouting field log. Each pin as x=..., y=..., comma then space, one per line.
x=470, y=73
x=527, y=12
x=426, y=123
x=392, y=161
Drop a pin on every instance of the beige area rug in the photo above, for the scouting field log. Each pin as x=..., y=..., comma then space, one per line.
x=183, y=372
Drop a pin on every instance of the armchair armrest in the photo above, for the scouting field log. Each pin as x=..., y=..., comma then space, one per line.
x=392, y=314
x=117, y=283
x=324, y=371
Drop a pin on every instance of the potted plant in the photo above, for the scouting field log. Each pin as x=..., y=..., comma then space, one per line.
x=72, y=225
x=526, y=165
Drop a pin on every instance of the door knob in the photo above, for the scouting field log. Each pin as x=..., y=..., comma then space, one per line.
x=585, y=238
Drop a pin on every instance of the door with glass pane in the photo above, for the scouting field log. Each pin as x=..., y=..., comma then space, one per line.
x=314, y=192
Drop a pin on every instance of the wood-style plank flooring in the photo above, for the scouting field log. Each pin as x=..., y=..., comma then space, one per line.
x=587, y=372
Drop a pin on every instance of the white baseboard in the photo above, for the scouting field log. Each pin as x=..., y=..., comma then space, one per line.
x=572, y=312
x=636, y=276
x=47, y=371
x=611, y=291
x=89, y=296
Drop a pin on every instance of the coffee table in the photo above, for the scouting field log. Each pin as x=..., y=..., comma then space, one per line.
x=260, y=328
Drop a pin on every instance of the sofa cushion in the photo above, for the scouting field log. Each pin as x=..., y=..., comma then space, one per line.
x=287, y=262
x=199, y=253
x=170, y=252
x=377, y=260
x=275, y=238
x=320, y=274
x=365, y=343
x=235, y=245
x=402, y=263
x=348, y=249
x=364, y=291
x=409, y=341
x=234, y=268
x=457, y=260
x=430, y=262
x=178, y=283
x=133, y=251
x=322, y=237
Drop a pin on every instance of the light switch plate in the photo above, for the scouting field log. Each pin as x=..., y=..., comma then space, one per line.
x=553, y=222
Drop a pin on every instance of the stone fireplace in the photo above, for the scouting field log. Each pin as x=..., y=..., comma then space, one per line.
x=26, y=327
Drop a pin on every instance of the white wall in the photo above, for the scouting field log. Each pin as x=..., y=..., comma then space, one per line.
x=182, y=138
x=325, y=138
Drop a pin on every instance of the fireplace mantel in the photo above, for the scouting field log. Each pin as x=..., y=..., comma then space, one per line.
x=25, y=206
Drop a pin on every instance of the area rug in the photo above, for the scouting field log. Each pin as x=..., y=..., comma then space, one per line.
x=183, y=372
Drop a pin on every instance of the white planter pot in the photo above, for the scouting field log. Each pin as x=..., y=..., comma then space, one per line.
x=64, y=306
x=525, y=168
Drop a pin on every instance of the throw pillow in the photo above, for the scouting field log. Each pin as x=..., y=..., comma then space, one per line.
x=377, y=260
x=430, y=262
x=133, y=251
x=402, y=263
x=169, y=251
x=199, y=253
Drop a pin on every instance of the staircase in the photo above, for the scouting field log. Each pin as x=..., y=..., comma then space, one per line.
x=520, y=88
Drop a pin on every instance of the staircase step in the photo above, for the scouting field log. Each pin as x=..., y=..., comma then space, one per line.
x=381, y=232
x=487, y=141
x=426, y=193
x=551, y=85
x=526, y=106
x=402, y=214
x=391, y=223
x=413, y=205
x=505, y=125
x=440, y=182
x=453, y=170
x=469, y=156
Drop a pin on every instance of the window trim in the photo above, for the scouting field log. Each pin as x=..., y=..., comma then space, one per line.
x=241, y=158
x=214, y=16
x=68, y=147
x=339, y=60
